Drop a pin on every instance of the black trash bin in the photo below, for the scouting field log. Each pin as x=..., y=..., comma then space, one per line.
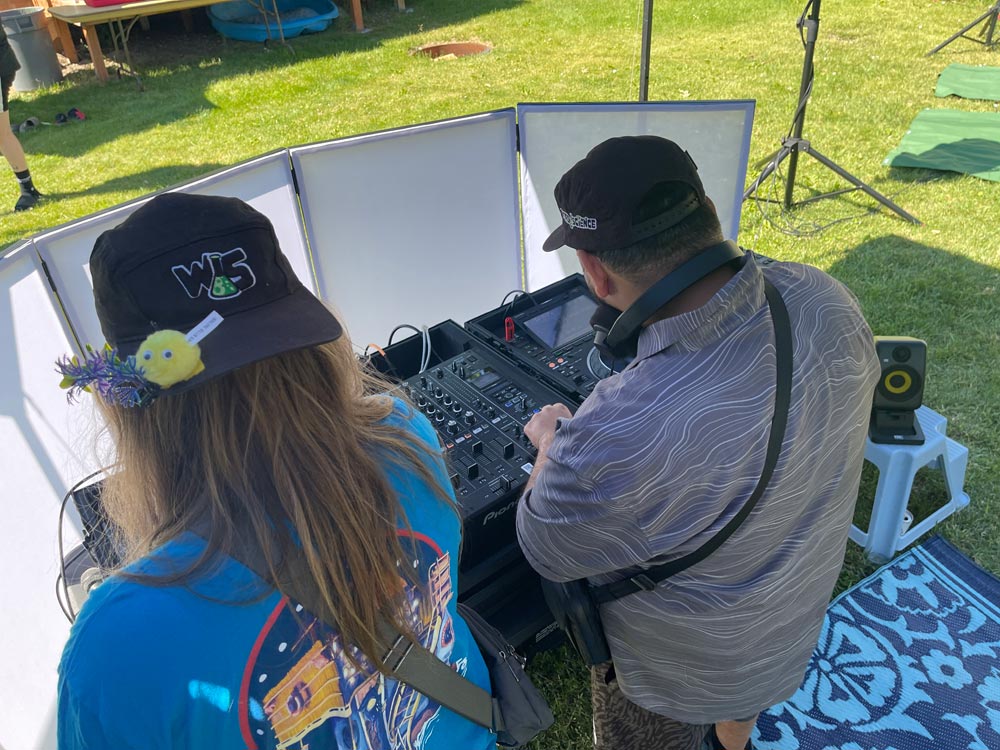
x=28, y=37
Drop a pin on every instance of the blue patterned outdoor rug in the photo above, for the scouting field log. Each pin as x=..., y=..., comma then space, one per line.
x=908, y=659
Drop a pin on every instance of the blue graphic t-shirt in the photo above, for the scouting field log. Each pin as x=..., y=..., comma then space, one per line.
x=170, y=667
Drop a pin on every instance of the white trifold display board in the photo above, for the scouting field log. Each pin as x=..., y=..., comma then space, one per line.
x=414, y=225
x=39, y=461
x=265, y=183
x=556, y=136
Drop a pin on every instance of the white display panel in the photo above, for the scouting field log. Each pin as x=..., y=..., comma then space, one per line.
x=416, y=225
x=41, y=457
x=265, y=183
x=556, y=136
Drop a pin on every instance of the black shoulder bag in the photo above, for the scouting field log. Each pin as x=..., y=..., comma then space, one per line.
x=515, y=711
x=576, y=605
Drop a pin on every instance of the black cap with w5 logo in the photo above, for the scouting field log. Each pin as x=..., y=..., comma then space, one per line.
x=599, y=195
x=181, y=257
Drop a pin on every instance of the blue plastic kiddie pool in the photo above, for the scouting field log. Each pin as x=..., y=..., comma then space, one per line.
x=244, y=21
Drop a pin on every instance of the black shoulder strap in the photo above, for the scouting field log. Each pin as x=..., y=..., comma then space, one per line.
x=647, y=580
x=408, y=662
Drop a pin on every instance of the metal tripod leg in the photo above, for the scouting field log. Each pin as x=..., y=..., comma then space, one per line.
x=790, y=145
x=772, y=164
x=806, y=147
x=990, y=16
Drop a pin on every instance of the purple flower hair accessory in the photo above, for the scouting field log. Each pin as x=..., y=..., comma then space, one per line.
x=117, y=381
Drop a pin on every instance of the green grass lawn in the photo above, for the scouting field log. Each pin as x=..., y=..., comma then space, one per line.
x=209, y=104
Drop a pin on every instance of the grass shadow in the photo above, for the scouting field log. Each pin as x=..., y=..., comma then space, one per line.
x=953, y=303
x=974, y=156
x=172, y=61
x=921, y=175
x=149, y=180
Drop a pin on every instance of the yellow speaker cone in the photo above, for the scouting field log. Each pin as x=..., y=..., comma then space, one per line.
x=900, y=375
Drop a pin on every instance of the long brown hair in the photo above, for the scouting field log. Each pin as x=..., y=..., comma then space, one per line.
x=284, y=455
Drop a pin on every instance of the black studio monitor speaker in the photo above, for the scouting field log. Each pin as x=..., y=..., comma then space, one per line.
x=900, y=390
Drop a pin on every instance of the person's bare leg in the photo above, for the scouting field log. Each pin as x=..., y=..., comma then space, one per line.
x=12, y=151
x=10, y=147
x=734, y=735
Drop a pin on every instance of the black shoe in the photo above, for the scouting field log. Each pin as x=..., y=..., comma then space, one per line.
x=27, y=201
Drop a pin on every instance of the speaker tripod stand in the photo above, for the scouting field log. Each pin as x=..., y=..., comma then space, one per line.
x=989, y=19
x=794, y=143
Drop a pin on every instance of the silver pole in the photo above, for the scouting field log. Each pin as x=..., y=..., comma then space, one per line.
x=647, y=33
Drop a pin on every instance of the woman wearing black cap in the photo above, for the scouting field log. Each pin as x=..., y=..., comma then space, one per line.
x=10, y=147
x=248, y=438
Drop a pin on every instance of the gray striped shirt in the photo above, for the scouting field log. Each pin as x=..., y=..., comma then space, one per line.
x=665, y=453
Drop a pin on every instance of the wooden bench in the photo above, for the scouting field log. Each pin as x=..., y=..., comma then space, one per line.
x=123, y=17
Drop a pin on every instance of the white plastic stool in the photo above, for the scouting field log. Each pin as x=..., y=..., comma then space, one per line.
x=898, y=465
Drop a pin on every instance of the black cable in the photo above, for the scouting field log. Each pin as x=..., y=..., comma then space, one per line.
x=59, y=598
x=400, y=327
x=811, y=229
x=426, y=347
x=800, y=107
x=519, y=292
x=366, y=360
x=812, y=69
x=512, y=291
x=801, y=23
x=62, y=559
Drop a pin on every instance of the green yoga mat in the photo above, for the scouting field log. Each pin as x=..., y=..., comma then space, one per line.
x=969, y=82
x=953, y=141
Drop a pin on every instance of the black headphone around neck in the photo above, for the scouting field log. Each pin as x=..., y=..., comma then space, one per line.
x=621, y=339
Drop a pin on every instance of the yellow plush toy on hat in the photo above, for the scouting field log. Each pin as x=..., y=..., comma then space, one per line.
x=167, y=358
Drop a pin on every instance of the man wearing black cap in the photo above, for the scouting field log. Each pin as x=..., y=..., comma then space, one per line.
x=665, y=453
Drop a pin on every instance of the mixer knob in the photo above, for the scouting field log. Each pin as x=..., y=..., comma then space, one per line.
x=430, y=407
x=447, y=399
x=438, y=391
x=439, y=372
x=452, y=427
x=491, y=412
x=470, y=418
x=477, y=402
x=456, y=407
x=421, y=400
x=439, y=417
x=423, y=381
